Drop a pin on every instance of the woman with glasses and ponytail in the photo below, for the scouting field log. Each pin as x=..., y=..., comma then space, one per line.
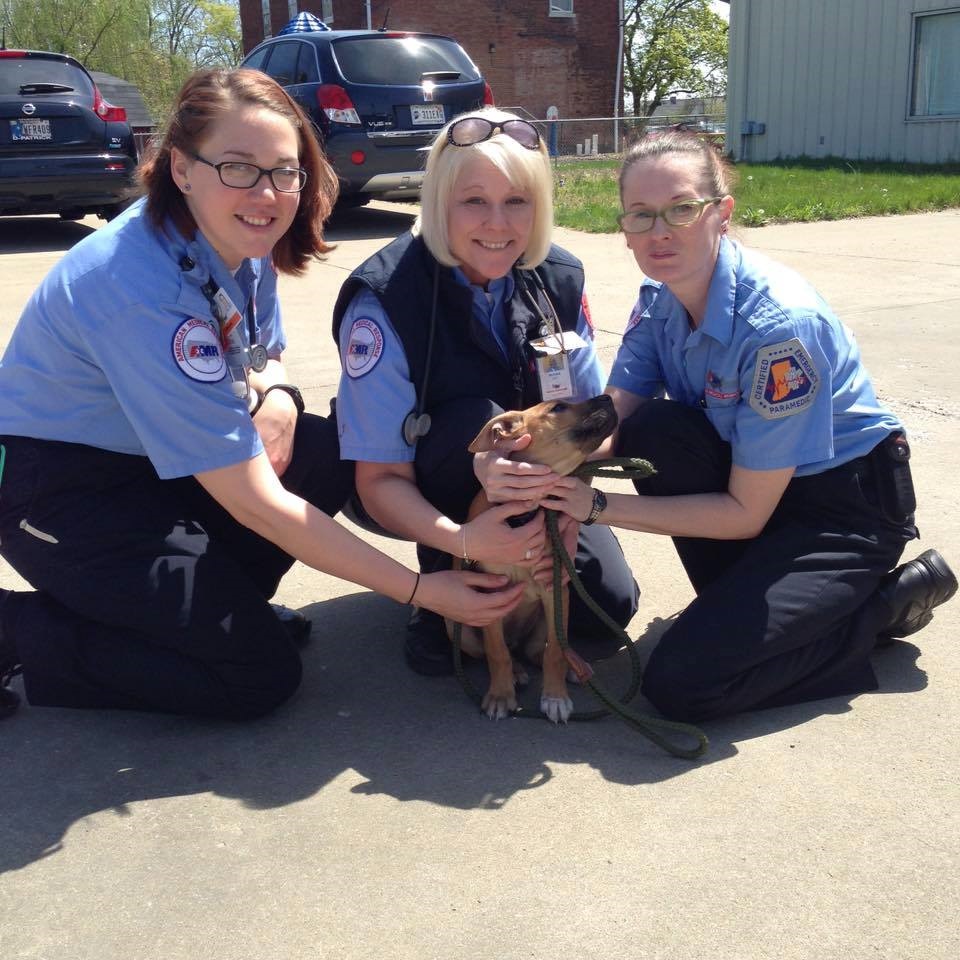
x=783, y=481
x=471, y=313
x=158, y=473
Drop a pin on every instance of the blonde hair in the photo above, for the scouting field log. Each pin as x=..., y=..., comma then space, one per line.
x=527, y=170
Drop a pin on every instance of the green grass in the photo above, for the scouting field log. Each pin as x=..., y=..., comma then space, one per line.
x=782, y=192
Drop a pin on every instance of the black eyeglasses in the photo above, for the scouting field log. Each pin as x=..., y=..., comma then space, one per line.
x=471, y=130
x=242, y=176
x=682, y=214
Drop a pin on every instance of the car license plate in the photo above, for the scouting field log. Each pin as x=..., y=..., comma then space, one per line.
x=423, y=113
x=30, y=130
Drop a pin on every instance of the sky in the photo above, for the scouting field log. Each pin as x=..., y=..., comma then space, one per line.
x=723, y=9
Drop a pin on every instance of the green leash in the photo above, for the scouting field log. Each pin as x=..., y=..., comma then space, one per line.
x=655, y=729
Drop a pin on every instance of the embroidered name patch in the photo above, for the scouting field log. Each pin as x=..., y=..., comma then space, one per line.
x=715, y=388
x=364, y=348
x=785, y=380
x=197, y=351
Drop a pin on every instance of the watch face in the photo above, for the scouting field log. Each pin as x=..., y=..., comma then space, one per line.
x=258, y=357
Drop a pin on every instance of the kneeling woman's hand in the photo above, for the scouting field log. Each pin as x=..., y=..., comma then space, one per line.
x=467, y=596
x=570, y=496
x=503, y=479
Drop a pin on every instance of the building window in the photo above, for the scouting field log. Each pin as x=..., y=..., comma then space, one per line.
x=935, y=90
x=561, y=8
x=267, y=25
x=326, y=11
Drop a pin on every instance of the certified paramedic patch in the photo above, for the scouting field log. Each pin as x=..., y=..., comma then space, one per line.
x=364, y=348
x=785, y=380
x=197, y=350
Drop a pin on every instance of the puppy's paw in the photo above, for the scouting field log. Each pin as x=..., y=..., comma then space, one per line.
x=497, y=706
x=520, y=676
x=557, y=709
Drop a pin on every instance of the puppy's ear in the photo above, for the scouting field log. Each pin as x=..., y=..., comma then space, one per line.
x=504, y=427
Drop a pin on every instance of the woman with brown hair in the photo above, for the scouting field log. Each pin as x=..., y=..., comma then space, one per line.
x=159, y=472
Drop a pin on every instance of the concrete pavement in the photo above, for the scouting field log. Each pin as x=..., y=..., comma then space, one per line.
x=379, y=816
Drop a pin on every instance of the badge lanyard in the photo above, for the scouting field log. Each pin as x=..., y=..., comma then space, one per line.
x=553, y=366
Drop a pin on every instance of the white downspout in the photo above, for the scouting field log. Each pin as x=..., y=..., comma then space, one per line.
x=616, y=89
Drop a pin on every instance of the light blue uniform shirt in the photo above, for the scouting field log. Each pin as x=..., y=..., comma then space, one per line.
x=118, y=349
x=375, y=396
x=777, y=374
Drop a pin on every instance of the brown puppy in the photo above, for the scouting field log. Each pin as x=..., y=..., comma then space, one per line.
x=563, y=435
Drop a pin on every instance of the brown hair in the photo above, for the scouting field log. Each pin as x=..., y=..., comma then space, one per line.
x=205, y=97
x=717, y=171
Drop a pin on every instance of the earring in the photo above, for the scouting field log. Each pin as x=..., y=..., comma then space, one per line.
x=186, y=188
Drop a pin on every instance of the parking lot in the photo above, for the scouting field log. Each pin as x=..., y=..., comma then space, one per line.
x=378, y=815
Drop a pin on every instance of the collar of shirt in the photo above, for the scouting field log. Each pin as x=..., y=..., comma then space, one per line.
x=208, y=265
x=722, y=294
x=488, y=305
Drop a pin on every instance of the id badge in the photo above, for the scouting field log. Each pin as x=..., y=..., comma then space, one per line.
x=552, y=354
x=228, y=316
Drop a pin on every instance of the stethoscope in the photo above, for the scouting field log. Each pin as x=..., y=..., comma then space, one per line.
x=256, y=352
x=416, y=424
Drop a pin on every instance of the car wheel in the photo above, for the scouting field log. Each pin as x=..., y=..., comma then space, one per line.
x=113, y=210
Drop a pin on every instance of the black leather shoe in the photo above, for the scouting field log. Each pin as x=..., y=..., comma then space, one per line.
x=427, y=648
x=294, y=622
x=9, y=665
x=912, y=591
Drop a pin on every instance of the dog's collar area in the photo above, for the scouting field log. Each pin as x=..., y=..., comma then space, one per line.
x=523, y=519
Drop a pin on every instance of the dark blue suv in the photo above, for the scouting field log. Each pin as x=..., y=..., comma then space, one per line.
x=376, y=99
x=63, y=148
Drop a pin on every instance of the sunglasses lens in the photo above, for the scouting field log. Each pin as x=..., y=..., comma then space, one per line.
x=524, y=133
x=470, y=130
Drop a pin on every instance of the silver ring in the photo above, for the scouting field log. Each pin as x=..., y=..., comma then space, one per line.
x=528, y=555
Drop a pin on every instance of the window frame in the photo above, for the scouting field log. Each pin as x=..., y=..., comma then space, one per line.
x=912, y=87
x=553, y=10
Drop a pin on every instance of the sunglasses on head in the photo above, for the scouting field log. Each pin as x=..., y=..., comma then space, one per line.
x=471, y=130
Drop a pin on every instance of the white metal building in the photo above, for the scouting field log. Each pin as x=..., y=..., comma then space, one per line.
x=862, y=79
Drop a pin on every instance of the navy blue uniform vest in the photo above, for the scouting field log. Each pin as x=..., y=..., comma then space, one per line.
x=466, y=360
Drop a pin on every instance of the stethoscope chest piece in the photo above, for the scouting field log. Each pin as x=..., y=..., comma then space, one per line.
x=416, y=427
x=258, y=357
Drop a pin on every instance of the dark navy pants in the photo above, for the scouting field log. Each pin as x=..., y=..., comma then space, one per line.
x=789, y=616
x=445, y=477
x=148, y=595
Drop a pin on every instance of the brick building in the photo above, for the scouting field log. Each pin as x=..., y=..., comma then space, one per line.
x=534, y=53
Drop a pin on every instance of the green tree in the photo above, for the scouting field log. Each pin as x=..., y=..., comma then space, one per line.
x=155, y=44
x=672, y=47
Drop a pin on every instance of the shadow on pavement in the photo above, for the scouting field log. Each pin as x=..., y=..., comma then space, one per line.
x=359, y=709
x=40, y=234
x=370, y=222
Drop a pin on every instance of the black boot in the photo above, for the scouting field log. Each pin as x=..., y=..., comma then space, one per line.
x=912, y=591
x=9, y=662
x=427, y=648
x=294, y=622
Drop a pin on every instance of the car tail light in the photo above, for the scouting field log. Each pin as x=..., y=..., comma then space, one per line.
x=358, y=157
x=107, y=111
x=487, y=95
x=335, y=102
x=10, y=54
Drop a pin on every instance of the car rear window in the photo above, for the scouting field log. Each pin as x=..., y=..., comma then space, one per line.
x=401, y=60
x=15, y=72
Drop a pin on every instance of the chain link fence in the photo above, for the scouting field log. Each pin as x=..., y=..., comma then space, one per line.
x=595, y=136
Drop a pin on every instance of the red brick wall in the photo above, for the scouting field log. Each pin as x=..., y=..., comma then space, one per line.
x=530, y=59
